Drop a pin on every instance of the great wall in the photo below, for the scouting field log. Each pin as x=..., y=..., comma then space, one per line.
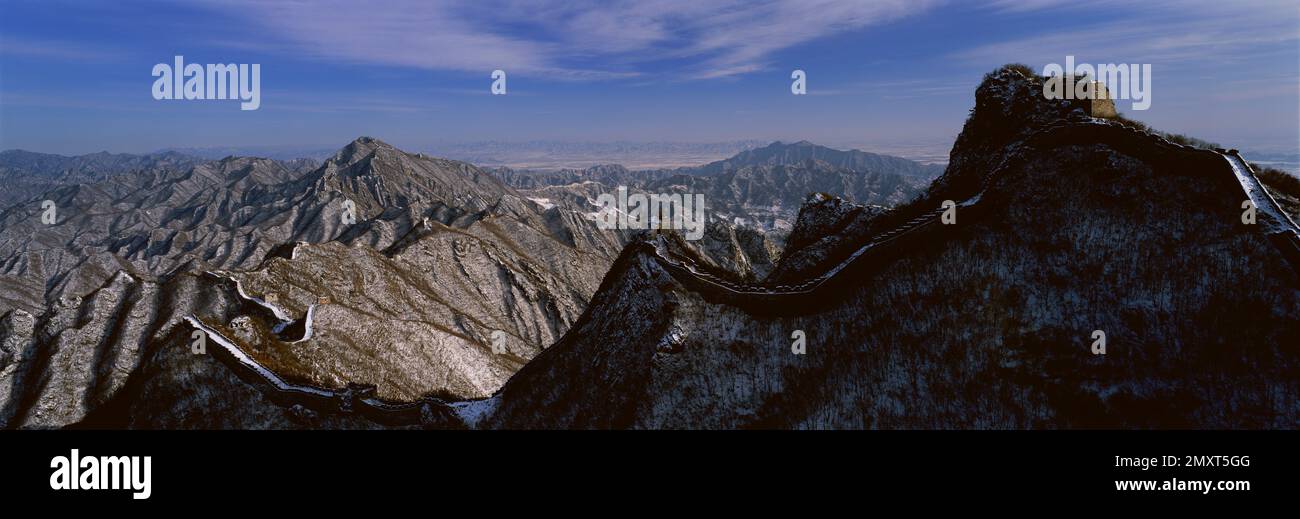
x=804, y=296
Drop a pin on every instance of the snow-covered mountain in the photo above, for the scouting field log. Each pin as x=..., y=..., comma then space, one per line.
x=454, y=299
x=408, y=266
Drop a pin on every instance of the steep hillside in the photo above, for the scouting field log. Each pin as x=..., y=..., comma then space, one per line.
x=1065, y=226
x=379, y=267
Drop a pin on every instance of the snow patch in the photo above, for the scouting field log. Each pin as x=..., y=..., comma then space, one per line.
x=311, y=311
x=1277, y=220
x=473, y=412
x=544, y=202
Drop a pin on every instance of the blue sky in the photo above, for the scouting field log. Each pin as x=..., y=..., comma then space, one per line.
x=75, y=76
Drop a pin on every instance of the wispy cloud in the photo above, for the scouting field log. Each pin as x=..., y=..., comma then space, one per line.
x=1257, y=88
x=573, y=39
x=94, y=102
x=1187, y=31
x=58, y=50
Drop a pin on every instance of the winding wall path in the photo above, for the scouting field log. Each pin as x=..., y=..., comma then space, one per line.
x=1282, y=231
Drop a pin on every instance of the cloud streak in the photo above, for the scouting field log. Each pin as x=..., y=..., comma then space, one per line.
x=1187, y=31
x=563, y=40
x=57, y=50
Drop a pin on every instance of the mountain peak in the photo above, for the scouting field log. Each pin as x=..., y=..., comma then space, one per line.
x=368, y=143
x=799, y=153
x=368, y=140
x=360, y=148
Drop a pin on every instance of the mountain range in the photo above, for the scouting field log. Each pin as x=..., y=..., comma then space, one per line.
x=762, y=187
x=380, y=267
x=832, y=289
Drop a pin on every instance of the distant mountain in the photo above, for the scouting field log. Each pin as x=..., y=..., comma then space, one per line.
x=761, y=188
x=1288, y=162
x=610, y=175
x=541, y=155
x=555, y=155
x=782, y=154
x=284, y=153
x=46, y=164
x=768, y=195
x=26, y=174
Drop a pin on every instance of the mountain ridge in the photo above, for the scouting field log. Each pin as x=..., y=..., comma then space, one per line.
x=144, y=251
x=1024, y=373
x=1064, y=225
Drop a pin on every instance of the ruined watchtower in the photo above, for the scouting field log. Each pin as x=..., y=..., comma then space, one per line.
x=1099, y=103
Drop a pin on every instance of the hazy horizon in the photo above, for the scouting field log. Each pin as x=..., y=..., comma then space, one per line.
x=543, y=155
